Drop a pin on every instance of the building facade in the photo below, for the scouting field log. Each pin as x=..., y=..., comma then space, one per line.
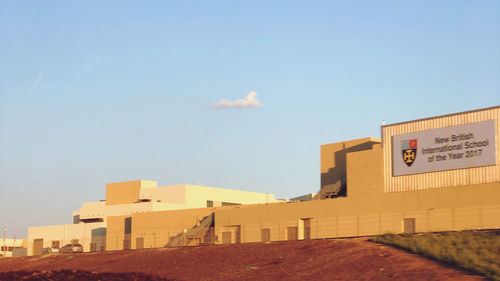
x=11, y=247
x=139, y=198
x=434, y=174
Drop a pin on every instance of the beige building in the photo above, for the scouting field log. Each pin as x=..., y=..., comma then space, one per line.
x=11, y=247
x=142, y=196
x=92, y=236
x=434, y=174
x=137, y=198
x=391, y=185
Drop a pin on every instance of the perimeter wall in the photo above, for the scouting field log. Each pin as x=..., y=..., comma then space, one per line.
x=470, y=207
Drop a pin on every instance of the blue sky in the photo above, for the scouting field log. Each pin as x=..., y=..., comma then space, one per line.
x=93, y=92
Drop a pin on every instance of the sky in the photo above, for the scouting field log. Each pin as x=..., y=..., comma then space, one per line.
x=231, y=94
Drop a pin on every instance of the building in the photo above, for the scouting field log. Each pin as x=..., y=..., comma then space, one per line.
x=135, y=198
x=13, y=247
x=435, y=174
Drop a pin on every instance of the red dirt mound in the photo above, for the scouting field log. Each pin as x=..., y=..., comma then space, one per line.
x=76, y=275
x=349, y=259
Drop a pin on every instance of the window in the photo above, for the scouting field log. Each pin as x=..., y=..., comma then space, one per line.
x=210, y=203
x=3, y=248
x=128, y=225
x=229, y=204
x=55, y=244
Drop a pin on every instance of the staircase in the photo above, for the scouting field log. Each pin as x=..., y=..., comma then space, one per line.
x=200, y=234
x=338, y=189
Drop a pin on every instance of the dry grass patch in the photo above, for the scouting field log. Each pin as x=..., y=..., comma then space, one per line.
x=478, y=251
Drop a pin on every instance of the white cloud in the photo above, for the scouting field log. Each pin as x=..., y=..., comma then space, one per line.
x=248, y=102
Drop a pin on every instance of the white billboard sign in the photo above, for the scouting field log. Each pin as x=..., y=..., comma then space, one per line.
x=449, y=148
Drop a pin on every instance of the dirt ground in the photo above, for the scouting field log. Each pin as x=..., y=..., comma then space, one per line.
x=348, y=259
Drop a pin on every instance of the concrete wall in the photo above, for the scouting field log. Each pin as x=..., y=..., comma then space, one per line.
x=467, y=207
x=93, y=210
x=155, y=228
x=150, y=219
x=126, y=192
x=197, y=196
x=86, y=233
x=8, y=245
x=333, y=161
x=188, y=196
x=174, y=194
x=365, y=174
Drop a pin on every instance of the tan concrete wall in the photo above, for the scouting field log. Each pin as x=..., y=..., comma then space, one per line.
x=197, y=196
x=126, y=192
x=467, y=207
x=10, y=243
x=91, y=210
x=439, y=179
x=100, y=210
x=174, y=194
x=115, y=226
x=365, y=172
x=63, y=233
x=156, y=227
x=333, y=160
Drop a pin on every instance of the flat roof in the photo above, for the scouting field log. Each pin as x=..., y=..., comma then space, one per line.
x=360, y=139
x=440, y=116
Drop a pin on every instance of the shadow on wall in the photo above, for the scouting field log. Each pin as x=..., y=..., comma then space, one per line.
x=335, y=178
x=201, y=233
x=98, y=240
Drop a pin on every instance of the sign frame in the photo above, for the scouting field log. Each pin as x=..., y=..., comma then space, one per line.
x=442, y=149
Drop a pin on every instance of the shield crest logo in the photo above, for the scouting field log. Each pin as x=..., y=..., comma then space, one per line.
x=409, y=151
